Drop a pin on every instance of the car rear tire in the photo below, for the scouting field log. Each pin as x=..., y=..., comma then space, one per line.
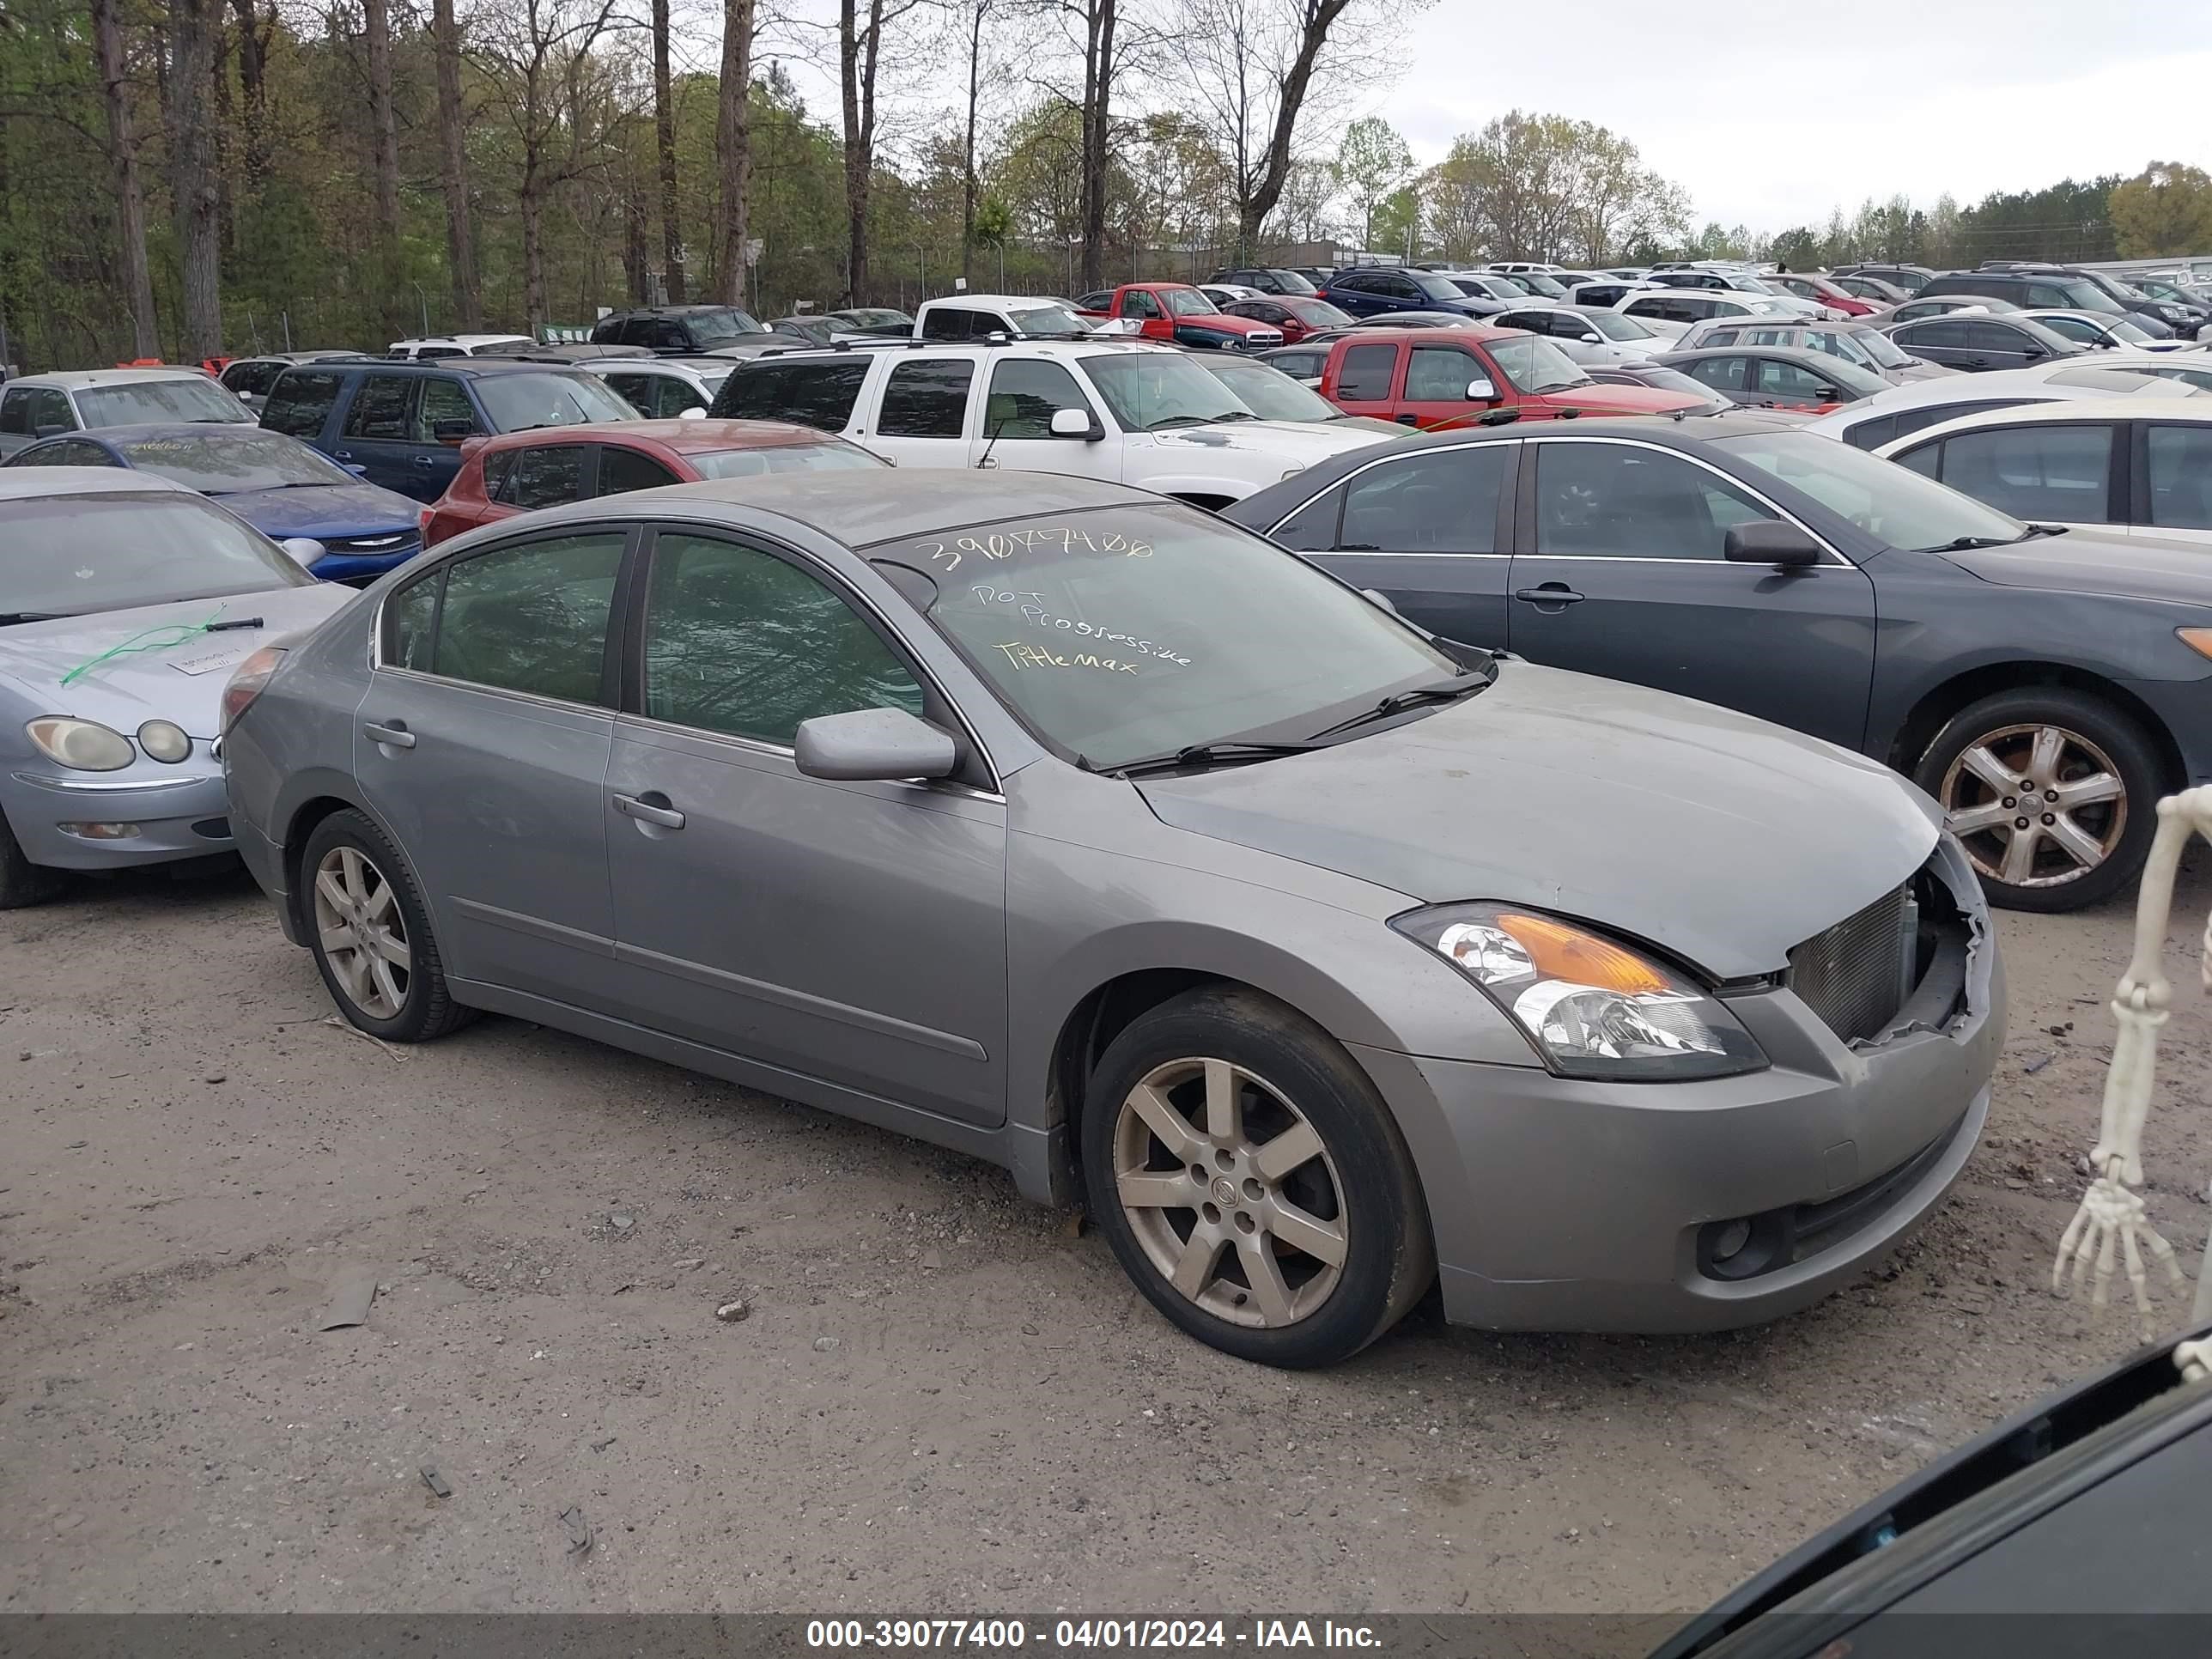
x=1252, y=1182
x=370, y=933
x=2053, y=793
x=22, y=884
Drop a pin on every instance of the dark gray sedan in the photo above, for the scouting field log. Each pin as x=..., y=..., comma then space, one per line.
x=2046, y=687
x=1084, y=832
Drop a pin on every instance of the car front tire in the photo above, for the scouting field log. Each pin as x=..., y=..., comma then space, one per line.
x=370, y=933
x=2052, y=791
x=1252, y=1182
x=22, y=884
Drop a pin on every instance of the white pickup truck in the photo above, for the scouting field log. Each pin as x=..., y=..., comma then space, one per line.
x=1126, y=411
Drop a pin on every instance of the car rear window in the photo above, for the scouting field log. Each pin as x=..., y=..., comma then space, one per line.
x=820, y=393
x=517, y=403
x=300, y=401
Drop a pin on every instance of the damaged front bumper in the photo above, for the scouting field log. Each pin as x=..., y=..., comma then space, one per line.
x=1698, y=1206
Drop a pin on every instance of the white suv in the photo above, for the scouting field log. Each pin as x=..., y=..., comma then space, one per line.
x=1129, y=411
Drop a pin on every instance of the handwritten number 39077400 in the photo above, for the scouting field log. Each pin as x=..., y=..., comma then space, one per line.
x=1004, y=545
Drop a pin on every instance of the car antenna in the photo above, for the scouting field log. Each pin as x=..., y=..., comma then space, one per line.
x=984, y=459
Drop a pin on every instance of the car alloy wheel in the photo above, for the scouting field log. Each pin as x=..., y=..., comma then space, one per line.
x=1230, y=1193
x=2035, y=806
x=363, y=932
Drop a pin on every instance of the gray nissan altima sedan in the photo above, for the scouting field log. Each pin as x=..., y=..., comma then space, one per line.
x=1088, y=833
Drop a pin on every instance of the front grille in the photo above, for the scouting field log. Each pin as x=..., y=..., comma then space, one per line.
x=1855, y=974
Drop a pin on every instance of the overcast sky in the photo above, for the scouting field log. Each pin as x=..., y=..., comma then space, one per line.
x=1770, y=119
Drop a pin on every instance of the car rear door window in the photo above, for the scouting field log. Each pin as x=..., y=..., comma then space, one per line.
x=2178, y=473
x=1366, y=374
x=1624, y=501
x=1792, y=383
x=1721, y=373
x=301, y=401
x=1138, y=303
x=2036, y=473
x=379, y=408
x=533, y=618
x=1994, y=337
x=927, y=398
x=623, y=470
x=1441, y=500
x=739, y=642
x=547, y=475
x=637, y=389
x=950, y=323
x=499, y=475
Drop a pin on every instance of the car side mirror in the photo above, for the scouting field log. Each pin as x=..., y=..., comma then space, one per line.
x=873, y=745
x=453, y=432
x=1479, y=390
x=356, y=469
x=2032, y=353
x=245, y=397
x=305, y=550
x=1769, y=541
x=48, y=430
x=1591, y=338
x=694, y=413
x=1074, y=423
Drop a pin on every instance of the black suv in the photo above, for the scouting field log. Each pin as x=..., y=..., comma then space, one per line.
x=2040, y=287
x=2183, y=318
x=670, y=329
x=1269, y=279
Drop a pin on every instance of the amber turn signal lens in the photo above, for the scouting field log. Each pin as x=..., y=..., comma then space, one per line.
x=1564, y=953
x=2198, y=639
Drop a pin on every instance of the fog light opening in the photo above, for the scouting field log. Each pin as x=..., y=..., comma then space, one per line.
x=1728, y=1240
x=101, y=831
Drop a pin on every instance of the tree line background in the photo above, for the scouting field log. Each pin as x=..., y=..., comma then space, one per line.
x=188, y=178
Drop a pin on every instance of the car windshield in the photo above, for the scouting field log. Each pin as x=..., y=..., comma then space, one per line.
x=1048, y=320
x=1540, y=283
x=1872, y=342
x=1617, y=325
x=1672, y=379
x=2087, y=296
x=217, y=463
x=1316, y=314
x=1534, y=365
x=70, y=555
x=1187, y=303
x=1288, y=282
x=713, y=328
x=1128, y=632
x=518, y=402
x=188, y=397
x=1891, y=503
x=781, y=458
x=1151, y=389
x=1436, y=287
x=1268, y=392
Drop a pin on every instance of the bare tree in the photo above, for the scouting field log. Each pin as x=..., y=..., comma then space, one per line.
x=255, y=26
x=384, y=128
x=193, y=25
x=664, y=121
x=861, y=26
x=1100, y=20
x=453, y=165
x=734, y=148
x=1251, y=66
x=130, y=196
x=979, y=12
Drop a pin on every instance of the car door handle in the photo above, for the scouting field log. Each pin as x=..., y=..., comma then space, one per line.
x=989, y=460
x=340, y=455
x=1549, y=594
x=395, y=735
x=422, y=460
x=649, y=812
x=1408, y=420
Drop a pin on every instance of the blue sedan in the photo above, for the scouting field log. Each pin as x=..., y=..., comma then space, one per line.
x=277, y=485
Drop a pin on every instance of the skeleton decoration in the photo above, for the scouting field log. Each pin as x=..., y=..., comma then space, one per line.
x=2111, y=1218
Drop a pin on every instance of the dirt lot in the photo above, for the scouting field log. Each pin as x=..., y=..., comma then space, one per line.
x=942, y=1401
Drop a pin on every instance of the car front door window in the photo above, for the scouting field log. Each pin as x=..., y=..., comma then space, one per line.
x=379, y=409
x=1366, y=374
x=1025, y=396
x=1721, y=373
x=443, y=413
x=300, y=401
x=2178, y=472
x=1440, y=374
x=531, y=618
x=1792, y=383
x=1623, y=501
x=744, y=644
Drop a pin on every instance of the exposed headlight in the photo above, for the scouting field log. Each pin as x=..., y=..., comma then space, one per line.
x=81, y=745
x=1592, y=1006
x=164, y=740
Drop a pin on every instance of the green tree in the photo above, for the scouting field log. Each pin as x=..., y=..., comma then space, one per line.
x=2165, y=209
x=1372, y=161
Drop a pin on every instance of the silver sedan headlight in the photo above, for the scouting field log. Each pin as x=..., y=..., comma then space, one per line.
x=165, y=741
x=81, y=745
x=1592, y=1006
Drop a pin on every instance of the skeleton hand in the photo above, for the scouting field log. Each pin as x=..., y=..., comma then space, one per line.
x=2111, y=1215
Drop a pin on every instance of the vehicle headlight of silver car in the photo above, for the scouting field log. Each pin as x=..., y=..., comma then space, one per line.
x=165, y=741
x=1594, y=1006
x=81, y=745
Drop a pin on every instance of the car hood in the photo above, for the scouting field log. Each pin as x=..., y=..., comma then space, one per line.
x=181, y=682
x=1721, y=839
x=1918, y=370
x=1223, y=323
x=1604, y=399
x=2083, y=562
x=325, y=511
x=1301, y=442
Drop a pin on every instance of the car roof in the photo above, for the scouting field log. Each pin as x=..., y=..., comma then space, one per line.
x=1428, y=335
x=2073, y=408
x=1086, y=346
x=72, y=379
x=456, y=339
x=1787, y=354
x=697, y=437
x=139, y=431
x=690, y=310
x=22, y=483
x=476, y=368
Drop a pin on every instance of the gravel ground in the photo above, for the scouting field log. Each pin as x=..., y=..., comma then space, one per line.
x=941, y=1400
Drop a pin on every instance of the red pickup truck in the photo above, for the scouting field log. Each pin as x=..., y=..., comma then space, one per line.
x=1432, y=378
x=1179, y=315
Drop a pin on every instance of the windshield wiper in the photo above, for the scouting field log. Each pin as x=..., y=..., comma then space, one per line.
x=1451, y=691
x=9, y=618
x=1166, y=421
x=1198, y=755
x=1236, y=415
x=2042, y=530
x=1968, y=544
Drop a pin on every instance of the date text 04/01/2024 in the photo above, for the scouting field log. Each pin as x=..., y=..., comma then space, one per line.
x=1090, y=1635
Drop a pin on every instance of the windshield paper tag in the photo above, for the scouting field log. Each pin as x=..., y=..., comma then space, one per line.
x=207, y=661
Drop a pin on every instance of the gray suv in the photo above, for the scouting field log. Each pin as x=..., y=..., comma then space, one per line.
x=1854, y=342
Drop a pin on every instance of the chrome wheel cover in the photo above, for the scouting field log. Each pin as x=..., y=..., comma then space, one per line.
x=362, y=932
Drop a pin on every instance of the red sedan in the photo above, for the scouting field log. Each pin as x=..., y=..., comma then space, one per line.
x=1297, y=316
x=548, y=467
